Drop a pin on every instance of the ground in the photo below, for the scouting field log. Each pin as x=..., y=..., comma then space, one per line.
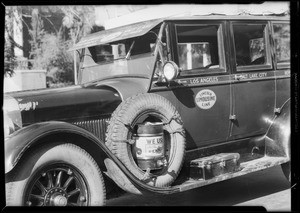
x=267, y=188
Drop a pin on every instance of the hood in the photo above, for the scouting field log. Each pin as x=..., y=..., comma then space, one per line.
x=76, y=103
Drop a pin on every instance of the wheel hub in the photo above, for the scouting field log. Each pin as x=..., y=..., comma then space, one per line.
x=60, y=200
x=56, y=197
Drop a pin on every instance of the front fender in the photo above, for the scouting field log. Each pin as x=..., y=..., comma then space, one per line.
x=17, y=143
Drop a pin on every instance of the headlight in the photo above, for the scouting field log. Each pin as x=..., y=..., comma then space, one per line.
x=12, y=115
x=170, y=70
x=9, y=126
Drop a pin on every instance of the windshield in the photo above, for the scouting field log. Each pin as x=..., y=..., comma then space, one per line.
x=133, y=56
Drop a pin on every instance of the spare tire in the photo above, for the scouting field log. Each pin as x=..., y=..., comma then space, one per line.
x=143, y=108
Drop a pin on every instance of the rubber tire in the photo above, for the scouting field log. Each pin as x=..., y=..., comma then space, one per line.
x=286, y=169
x=126, y=113
x=63, y=153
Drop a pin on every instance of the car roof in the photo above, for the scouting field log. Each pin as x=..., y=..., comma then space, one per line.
x=141, y=28
x=117, y=34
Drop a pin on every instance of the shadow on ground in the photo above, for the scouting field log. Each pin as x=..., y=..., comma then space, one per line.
x=227, y=193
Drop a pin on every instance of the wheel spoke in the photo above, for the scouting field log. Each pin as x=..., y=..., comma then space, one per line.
x=40, y=186
x=50, y=181
x=39, y=197
x=73, y=192
x=67, y=183
x=58, y=179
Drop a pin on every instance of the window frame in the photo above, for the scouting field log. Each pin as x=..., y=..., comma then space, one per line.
x=221, y=47
x=282, y=65
x=269, y=65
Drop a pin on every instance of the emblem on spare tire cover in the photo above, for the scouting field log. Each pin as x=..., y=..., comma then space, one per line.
x=205, y=99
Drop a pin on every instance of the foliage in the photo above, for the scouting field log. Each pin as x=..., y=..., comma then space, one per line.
x=54, y=57
x=9, y=58
x=79, y=20
x=50, y=51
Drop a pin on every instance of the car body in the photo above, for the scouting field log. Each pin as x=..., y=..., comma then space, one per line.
x=233, y=112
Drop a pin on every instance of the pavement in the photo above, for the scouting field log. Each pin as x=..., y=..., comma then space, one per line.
x=268, y=188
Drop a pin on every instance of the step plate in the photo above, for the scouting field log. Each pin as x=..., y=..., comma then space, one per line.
x=215, y=165
x=245, y=168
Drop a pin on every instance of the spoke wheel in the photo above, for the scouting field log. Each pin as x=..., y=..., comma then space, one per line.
x=59, y=185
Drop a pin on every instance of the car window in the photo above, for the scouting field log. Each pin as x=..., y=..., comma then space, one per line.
x=105, y=53
x=200, y=47
x=250, y=44
x=281, y=35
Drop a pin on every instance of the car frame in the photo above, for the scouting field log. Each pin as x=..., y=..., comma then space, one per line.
x=213, y=122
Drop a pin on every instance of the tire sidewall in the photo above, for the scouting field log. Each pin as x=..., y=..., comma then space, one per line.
x=166, y=110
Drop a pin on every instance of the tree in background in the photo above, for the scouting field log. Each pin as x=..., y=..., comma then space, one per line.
x=48, y=50
x=9, y=55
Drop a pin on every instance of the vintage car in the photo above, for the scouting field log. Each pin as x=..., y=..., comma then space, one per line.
x=162, y=106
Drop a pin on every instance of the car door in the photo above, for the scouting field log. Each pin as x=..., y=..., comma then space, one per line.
x=253, y=79
x=203, y=85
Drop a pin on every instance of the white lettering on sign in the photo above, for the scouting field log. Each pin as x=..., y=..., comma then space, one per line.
x=209, y=80
x=254, y=75
x=240, y=76
x=203, y=80
x=194, y=81
x=28, y=106
x=150, y=146
x=262, y=74
x=205, y=99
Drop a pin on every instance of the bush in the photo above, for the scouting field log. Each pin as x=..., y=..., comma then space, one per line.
x=53, y=56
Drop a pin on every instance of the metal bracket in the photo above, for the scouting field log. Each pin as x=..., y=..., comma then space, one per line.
x=277, y=111
x=128, y=126
x=146, y=176
x=180, y=131
x=175, y=118
x=129, y=141
x=232, y=117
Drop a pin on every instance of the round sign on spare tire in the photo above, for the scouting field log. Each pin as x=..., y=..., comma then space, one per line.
x=143, y=108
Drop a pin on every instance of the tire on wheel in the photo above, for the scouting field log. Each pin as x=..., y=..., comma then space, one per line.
x=138, y=109
x=56, y=176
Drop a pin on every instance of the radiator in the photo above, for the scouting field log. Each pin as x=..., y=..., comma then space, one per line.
x=97, y=127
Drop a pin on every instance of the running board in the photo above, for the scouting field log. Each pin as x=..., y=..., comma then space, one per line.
x=245, y=168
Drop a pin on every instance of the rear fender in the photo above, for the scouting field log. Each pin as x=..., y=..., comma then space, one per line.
x=278, y=136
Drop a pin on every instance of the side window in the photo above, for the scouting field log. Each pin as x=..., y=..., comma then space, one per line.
x=281, y=35
x=200, y=48
x=250, y=45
